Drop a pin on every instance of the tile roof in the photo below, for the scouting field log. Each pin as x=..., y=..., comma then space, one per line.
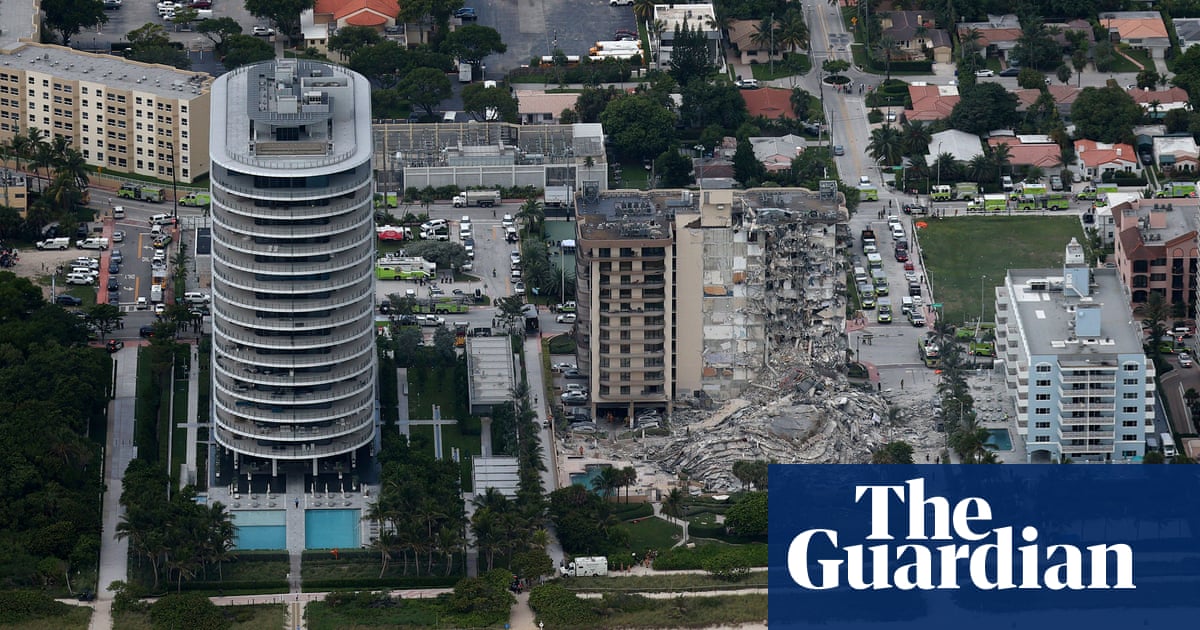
x=771, y=103
x=1093, y=154
x=1043, y=155
x=931, y=102
x=377, y=11
x=538, y=102
x=1170, y=95
x=1137, y=27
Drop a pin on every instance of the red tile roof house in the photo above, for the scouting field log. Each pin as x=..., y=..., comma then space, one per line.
x=1168, y=99
x=1094, y=159
x=327, y=16
x=1064, y=96
x=931, y=102
x=1044, y=155
x=770, y=103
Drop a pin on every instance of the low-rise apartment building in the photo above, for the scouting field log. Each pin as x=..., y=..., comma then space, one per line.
x=1074, y=364
x=1155, y=250
x=123, y=116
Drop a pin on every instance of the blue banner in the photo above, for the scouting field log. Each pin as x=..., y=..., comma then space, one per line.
x=983, y=547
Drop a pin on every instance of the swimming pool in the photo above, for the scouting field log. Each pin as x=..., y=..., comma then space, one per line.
x=331, y=529
x=259, y=529
x=585, y=479
x=998, y=439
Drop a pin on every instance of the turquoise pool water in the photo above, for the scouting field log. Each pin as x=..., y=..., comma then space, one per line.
x=331, y=529
x=998, y=439
x=260, y=529
x=591, y=472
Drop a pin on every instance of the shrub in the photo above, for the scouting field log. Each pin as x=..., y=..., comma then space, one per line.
x=727, y=566
x=557, y=606
x=187, y=610
x=628, y=512
x=676, y=558
x=20, y=606
x=874, y=116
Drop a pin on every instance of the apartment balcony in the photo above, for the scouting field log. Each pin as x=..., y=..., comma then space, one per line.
x=326, y=447
x=1086, y=435
x=1101, y=377
x=359, y=258
x=275, y=363
x=359, y=311
x=631, y=397
x=325, y=337
x=244, y=428
x=1098, y=449
x=230, y=277
x=293, y=394
x=1088, y=406
x=224, y=203
x=229, y=373
x=339, y=184
x=247, y=228
x=338, y=299
x=276, y=412
x=232, y=244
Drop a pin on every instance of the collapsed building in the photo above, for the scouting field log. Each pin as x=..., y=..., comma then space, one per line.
x=725, y=309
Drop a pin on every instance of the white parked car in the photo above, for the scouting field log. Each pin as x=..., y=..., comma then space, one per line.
x=566, y=318
x=432, y=320
x=507, y=221
x=262, y=31
x=1185, y=360
x=985, y=73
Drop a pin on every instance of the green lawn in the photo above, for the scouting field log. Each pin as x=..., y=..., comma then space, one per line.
x=652, y=533
x=179, y=433
x=77, y=618
x=406, y=614
x=437, y=386
x=996, y=244
x=662, y=582
x=1139, y=56
x=633, y=175
x=257, y=617
x=802, y=64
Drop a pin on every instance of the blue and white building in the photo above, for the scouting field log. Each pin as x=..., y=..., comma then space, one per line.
x=1073, y=360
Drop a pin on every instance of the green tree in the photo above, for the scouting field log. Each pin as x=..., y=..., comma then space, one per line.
x=480, y=101
x=592, y=101
x=886, y=144
x=985, y=107
x=349, y=39
x=284, y=14
x=691, y=59
x=473, y=43
x=105, y=318
x=532, y=564
x=792, y=34
x=188, y=610
x=765, y=35
x=1036, y=47
x=639, y=127
x=673, y=169
x=1154, y=313
x=746, y=167
x=674, y=503
x=1148, y=79
x=1031, y=79
x=241, y=50
x=69, y=17
x=426, y=88
x=707, y=103
x=1105, y=114
x=1063, y=73
x=1153, y=457
x=445, y=254
x=748, y=517
x=801, y=103
x=384, y=64
x=893, y=453
x=218, y=30
x=835, y=66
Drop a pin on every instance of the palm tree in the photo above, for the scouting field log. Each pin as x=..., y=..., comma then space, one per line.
x=221, y=535
x=41, y=155
x=1154, y=313
x=643, y=9
x=888, y=47
x=917, y=137
x=449, y=541
x=765, y=35
x=792, y=33
x=532, y=214
x=1155, y=105
x=606, y=482
x=980, y=168
x=946, y=166
x=1000, y=156
x=628, y=476
x=73, y=165
x=886, y=144
x=673, y=503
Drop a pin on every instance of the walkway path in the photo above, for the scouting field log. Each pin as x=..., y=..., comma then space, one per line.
x=118, y=452
x=188, y=474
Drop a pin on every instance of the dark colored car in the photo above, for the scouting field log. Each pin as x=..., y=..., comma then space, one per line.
x=466, y=14
x=409, y=320
x=114, y=284
x=1010, y=72
x=575, y=375
x=1146, y=157
x=146, y=332
x=114, y=298
x=914, y=289
x=67, y=300
x=114, y=267
x=901, y=255
x=114, y=345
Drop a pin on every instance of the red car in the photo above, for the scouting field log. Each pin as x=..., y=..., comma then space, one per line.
x=901, y=255
x=114, y=345
x=908, y=266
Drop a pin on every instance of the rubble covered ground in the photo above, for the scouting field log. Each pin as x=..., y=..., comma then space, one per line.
x=801, y=407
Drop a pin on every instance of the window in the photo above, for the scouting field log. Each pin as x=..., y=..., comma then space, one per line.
x=1043, y=397
x=1128, y=437
x=1042, y=411
x=1129, y=409
x=1043, y=368
x=1131, y=395
x=1041, y=438
x=1042, y=382
x=1131, y=367
x=1041, y=425
x=1130, y=381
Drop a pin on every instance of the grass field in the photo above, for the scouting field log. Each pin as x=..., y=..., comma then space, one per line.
x=682, y=582
x=437, y=386
x=652, y=533
x=960, y=253
x=77, y=618
x=257, y=617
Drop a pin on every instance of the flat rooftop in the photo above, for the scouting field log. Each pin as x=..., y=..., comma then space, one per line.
x=492, y=374
x=1047, y=315
x=75, y=65
x=1167, y=225
x=631, y=214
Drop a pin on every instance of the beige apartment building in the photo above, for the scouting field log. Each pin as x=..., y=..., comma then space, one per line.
x=689, y=296
x=123, y=116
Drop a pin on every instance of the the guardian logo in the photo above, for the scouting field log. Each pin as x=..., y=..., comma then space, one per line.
x=974, y=554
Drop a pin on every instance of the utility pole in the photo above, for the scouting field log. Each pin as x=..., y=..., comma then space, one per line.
x=771, y=54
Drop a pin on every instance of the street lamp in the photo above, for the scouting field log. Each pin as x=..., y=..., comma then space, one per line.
x=700, y=166
x=981, y=279
x=938, y=158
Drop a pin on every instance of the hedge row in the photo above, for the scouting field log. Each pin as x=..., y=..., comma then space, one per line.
x=230, y=586
x=630, y=511
x=262, y=556
x=392, y=583
x=21, y=606
x=678, y=558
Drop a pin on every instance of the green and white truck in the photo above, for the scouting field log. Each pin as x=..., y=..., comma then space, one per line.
x=941, y=193
x=966, y=190
x=1176, y=190
x=144, y=193
x=196, y=199
x=995, y=203
x=868, y=192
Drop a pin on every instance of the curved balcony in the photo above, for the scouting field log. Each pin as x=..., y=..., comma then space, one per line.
x=341, y=242
x=338, y=185
x=242, y=263
x=340, y=317
x=252, y=446
x=225, y=202
x=339, y=299
x=277, y=412
x=294, y=433
x=226, y=277
x=291, y=394
x=246, y=227
x=279, y=364
x=248, y=338
x=230, y=370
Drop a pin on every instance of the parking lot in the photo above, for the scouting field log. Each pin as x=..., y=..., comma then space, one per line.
x=534, y=28
x=134, y=14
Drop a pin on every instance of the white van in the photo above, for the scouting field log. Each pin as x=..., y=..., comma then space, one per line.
x=196, y=297
x=92, y=243
x=61, y=242
x=160, y=219
x=80, y=278
x=156, y=293
x=906, y=305
x=1168, y=444
x=860, y=275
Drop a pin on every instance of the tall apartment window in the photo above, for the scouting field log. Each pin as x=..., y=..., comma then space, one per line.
x=1129, y=409
x=1131, y=395
x=1041, y=438
x=1042, y=382
x=1043, y=368
x=1042, y=411
x=1130, y=367
x=1041, y=425
x=1043, y=397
